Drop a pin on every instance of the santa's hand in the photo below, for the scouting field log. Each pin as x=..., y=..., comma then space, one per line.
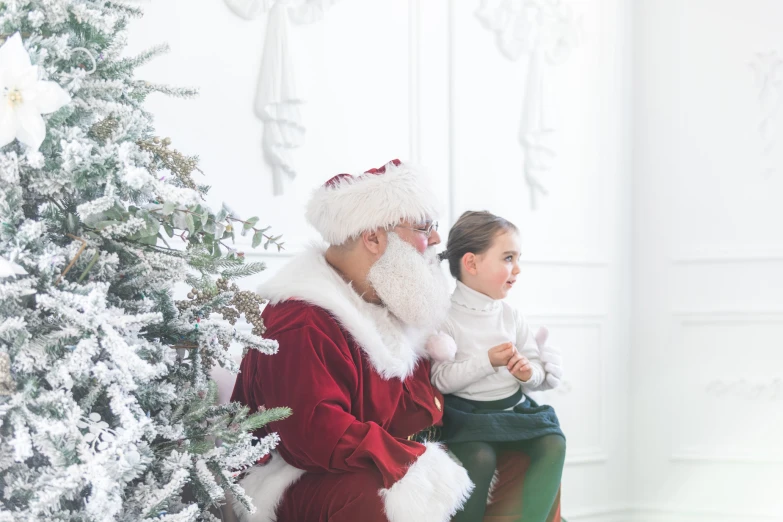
x=551, y=359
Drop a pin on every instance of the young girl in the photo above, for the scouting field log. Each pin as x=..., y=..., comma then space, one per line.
x=486, y=411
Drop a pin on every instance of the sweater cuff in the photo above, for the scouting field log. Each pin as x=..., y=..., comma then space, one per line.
x=485, y=364
x=536, y=378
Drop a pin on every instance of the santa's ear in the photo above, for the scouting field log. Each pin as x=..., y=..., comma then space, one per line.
x=374, y=241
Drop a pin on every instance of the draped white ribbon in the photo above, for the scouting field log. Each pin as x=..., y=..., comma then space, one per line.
x=545, y=31
x=277, y=102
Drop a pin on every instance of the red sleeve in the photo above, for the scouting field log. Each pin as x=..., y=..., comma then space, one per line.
x=315, y=376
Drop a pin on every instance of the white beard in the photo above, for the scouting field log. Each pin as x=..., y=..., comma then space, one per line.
x=411, y=285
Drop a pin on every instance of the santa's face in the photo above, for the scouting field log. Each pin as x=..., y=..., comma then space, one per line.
x=408, y=280
x=416, y=234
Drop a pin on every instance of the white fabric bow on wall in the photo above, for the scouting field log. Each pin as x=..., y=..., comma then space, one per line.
x=277, y=102
x=768, y=72
x=545, y=31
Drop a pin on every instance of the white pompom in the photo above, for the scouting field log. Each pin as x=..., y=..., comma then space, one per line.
x=441, y=347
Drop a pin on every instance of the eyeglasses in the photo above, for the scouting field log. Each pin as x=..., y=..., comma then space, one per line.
x=427, y=230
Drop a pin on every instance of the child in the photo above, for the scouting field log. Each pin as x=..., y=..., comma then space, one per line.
x=482, y=377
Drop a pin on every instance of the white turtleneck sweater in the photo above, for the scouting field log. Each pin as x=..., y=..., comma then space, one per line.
x=477, y=323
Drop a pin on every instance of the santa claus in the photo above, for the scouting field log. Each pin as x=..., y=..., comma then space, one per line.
x=351, y=319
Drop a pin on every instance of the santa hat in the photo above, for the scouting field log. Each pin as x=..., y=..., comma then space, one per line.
x=346, y=205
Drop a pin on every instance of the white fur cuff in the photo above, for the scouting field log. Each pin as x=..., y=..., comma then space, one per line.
x=432, y=490
x=553, y=362
x=266, y=485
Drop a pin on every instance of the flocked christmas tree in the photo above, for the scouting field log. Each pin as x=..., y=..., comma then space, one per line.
x=106, y=407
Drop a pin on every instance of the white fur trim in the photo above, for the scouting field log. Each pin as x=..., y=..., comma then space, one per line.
x=393, y=348
x=441, y=347
x=356, y=204
x=434, y=488
x=551, y=381
x=493, y=483
x=266, y=485
x=552, y=361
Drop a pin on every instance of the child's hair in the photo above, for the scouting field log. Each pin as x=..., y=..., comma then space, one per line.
x=473, y=232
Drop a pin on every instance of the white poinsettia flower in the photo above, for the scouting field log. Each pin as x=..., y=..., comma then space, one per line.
x=9, y=268
x=23, y=97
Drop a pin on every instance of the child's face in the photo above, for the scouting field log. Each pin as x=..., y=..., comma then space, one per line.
x=497, y=268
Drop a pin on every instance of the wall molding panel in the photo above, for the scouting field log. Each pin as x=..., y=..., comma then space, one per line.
x=751, y=388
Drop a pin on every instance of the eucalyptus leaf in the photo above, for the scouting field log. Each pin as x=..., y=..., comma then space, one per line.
x=180, y=220
x=250, y=223
x=257, y=238
x=103, y=224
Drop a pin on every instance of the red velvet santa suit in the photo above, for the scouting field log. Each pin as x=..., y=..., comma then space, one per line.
x=358, y=385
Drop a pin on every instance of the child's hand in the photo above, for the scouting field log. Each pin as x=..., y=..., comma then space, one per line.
x=501, y=354
x=520, y=367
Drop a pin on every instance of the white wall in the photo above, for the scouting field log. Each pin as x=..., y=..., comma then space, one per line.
x=708, y=292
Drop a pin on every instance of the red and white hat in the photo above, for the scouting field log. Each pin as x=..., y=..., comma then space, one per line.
x=346, y=205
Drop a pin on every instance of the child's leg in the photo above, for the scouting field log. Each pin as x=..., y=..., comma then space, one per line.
x=542, y=479
x=480, y=460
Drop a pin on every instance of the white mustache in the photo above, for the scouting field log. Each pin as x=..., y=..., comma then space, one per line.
x=411, y=284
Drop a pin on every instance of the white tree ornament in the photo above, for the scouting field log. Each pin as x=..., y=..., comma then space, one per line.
x=23, y=97
x=277, y=102
x=546, y=31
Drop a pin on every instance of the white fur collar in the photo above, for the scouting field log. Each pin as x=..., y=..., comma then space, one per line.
x=392, y=347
